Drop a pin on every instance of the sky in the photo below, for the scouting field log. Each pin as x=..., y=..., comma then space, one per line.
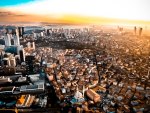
x=4, y=3
x=76, y=11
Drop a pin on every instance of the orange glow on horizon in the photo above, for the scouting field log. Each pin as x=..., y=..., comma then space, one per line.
x=67, y=19
x=80, y=11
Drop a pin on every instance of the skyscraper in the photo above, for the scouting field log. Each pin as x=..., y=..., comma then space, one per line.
x=1, y=59
x=21, y=31
x=22, y=55
x=30, y=64
x=135, y=30
x=47, y=32
x=13, y=31
x=6, y=31
x=16, y=38
x=140, y=31
x=7, y=40
x=6, y=61
x=33, y=45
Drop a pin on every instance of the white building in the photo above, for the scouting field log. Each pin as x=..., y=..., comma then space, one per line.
x=7, y=40
x=16, y=38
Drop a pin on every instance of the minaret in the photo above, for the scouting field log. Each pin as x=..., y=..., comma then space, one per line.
x=51, y=51
x=77, y=93
x=83, y=91
x=148, y=74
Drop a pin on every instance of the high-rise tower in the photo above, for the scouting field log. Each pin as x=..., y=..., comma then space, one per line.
x=7, y=40
x=16, y=38
x=135, y=30
x=140, y=31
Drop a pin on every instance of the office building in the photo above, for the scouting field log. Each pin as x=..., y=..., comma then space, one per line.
x=42, y=34
x=9, y=70
x=40, y=88
x=1, y=59
x=78, y=95
x=13, y=32
x=21, y=31
x=16, y=41
x=2, y=42
x=7, y=40
x=22, y=55
x=5, y=80
x=22, y=80
x=7, y=90
x=48, y=32
x=29, y=44
x=30, y=64
x=135, y=30
x=33, y=45
x=13, y=61
x=17, y=38
x=6, y=61
x=6, y=30
x=35, y=35
x=140, y=31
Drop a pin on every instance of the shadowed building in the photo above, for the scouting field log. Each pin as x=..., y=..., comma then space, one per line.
x=140, y=31
x=135, y=30
x=40, y=88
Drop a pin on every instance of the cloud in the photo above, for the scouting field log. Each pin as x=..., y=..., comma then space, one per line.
x=8, y=14
x=123, y=9
x=5, y=13
x=78, y=11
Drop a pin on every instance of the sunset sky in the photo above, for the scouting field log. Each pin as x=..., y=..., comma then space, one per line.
x=76, y=11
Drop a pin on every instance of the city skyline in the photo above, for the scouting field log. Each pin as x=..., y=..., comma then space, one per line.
x=76, y=11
